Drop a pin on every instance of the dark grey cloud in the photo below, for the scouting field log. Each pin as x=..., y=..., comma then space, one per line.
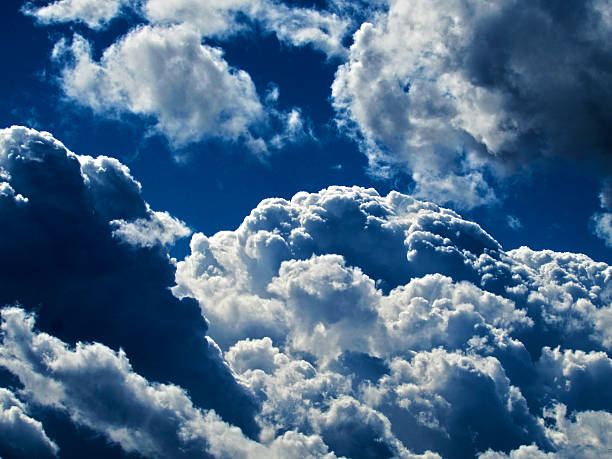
x=454, y=91
x=62, y=259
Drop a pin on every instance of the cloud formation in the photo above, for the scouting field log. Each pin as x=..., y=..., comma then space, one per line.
x=165, y=73
x=20, y=435
x=64, y=258
x=348, y=324
x=94, y=13
x=451, y=90
x=98, y=388
x=348, y=305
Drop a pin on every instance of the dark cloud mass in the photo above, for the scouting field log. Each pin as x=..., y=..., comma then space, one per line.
x=61, y=260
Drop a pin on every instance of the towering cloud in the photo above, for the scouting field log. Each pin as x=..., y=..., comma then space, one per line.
x=63, y=257
x=399, y=319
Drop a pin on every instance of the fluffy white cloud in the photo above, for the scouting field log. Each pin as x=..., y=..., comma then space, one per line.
x=583, y=434
x=345, y=301
x=167, y=74
x=442, y=89
x=160, y=228
x=97, y=387
x=94, y=13
x=19, y=433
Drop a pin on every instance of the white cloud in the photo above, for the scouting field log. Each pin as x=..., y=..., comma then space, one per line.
x=186, y=88
x=19, y=433
x=161, y=228
x=296, y=26
x=97, y=387
x=406, y=313
x=165, y=73
x=582, y=434
x=444, y=89
x=94, y=13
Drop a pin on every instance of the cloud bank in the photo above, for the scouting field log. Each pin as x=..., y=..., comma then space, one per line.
x=341, y=323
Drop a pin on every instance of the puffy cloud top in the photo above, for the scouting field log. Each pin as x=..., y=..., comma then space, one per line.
x=345, y=304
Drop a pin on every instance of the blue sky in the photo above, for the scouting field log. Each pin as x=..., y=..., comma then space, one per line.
x=240, y=290
x=553, y=203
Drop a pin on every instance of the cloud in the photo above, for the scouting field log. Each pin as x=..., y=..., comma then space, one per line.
x=296, y=26
x=601, y=223
x=160, y=228
x=345, y=310
x=21, y=435
x=98, y=388
x=348, y=324
x=447, y=92
x=94, y=13
x=62, y=260
x=167, y=74
x=584, y=434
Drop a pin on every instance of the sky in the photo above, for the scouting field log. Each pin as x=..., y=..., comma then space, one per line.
x=247, y=228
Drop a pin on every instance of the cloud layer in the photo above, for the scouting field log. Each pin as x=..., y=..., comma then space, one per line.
x=341, y=323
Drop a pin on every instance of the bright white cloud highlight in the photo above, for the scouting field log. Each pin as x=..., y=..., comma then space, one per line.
x=94, y=13
x=167, y=74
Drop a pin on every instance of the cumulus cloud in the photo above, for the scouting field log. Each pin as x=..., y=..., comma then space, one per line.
x=98, y=388
x=348, y=324
x=159, y=228
x=86, y=284
x=447, y=90
x=165, y=73
x=344, y=304
x=94, y=13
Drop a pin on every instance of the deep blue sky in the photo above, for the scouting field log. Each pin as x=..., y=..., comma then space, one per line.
x=219, y=183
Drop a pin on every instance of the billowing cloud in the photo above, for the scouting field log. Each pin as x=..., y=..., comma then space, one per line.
x=63, y=258
x=344, y=310
x=348, y=324
x=98, y=388
x=94, y=13
x=449, y=91
x=166, y=73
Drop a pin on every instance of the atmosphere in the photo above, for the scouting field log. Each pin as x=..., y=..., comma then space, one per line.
x=306, y=229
